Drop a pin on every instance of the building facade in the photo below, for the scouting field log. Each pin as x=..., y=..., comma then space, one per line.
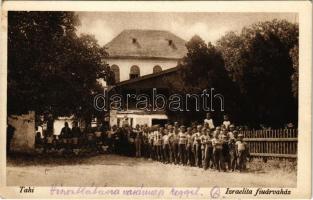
x=142, y=60
x=135, y=53
x=142, y=85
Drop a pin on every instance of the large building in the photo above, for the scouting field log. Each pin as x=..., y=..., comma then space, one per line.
x=142, y=60
x=135, y=53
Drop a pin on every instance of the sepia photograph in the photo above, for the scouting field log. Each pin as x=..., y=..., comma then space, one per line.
x=152, y=99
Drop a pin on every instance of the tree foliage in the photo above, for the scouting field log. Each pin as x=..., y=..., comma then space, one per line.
x=294, y=54
x=202, y=69
x=255, y=70
x=50, y=68
x=262, y=61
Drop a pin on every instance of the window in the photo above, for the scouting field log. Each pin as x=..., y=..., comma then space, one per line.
x=116, y=71
x=134, y=72
x=157, y=69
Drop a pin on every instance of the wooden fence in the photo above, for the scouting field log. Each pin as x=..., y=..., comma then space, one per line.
x=281, y=143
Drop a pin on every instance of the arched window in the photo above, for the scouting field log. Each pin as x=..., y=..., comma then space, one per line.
x=116, y=71
x=157, y=69
x=134, y=72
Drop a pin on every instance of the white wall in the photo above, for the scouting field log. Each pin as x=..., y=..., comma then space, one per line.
x=24, y=136
x=138, y=117
x=145, y=65
x=59, y=124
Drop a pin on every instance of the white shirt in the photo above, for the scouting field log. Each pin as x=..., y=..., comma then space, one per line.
x=210, y=123
x=226, y=124
x=241, y=145
x=231, y=135
x=166, y=139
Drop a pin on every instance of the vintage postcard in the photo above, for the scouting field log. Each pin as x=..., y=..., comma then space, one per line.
x=156, y=100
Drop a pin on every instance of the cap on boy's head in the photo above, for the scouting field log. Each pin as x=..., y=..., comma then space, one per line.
x=199, y=126
x=240, y=135
x=232, y=126
x=218, y=128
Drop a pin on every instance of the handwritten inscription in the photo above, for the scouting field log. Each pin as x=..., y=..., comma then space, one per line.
x=184, y=193
x=181, y=193
x=215, y=192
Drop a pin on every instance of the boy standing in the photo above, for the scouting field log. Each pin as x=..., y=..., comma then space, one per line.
x=182, y=145
x=241, y=151
x=230, y=133
x=232, y=153
x=138, y=140
x=197, y=146
x=151, y=143
x=203, y=143
x=217, y=152
x=208, y=151
x=209, y=121
x=225, y=152
x=174, y=140
x=158, y=142
x=189, y=147
x=166, y=146
x=226, y=122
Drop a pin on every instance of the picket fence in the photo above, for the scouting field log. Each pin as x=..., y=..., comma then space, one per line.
x=279, y=143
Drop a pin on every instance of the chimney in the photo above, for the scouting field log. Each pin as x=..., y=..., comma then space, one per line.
x=171, y=44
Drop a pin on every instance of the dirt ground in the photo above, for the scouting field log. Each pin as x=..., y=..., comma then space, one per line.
x=114, y=170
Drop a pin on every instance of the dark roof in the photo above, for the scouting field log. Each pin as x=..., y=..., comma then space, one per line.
x=146, y=44
x=148, y=76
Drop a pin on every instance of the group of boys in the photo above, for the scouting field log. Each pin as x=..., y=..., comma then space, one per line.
x=202, y=145
x=199, y=145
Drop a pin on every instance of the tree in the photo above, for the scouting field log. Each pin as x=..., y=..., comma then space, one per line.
x=294, y=54
x=202, y=69
x=50, y=68
x=258, y=60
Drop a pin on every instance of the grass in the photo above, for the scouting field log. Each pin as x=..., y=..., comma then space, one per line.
x=283, y=165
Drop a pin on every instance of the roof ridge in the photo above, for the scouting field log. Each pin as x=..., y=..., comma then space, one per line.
x=146, y=29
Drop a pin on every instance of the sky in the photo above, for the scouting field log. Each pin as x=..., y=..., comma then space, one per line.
x=209, y=26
